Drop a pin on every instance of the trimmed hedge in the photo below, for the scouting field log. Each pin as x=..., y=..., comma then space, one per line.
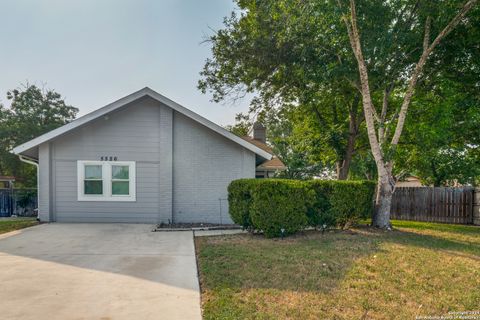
x=239, y=199
x=340, y=203
x=271, y=205
x=279, y=206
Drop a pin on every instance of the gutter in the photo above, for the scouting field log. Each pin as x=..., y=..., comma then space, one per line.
x=35, y=163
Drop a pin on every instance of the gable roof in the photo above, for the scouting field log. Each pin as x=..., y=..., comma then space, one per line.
x=145, y=92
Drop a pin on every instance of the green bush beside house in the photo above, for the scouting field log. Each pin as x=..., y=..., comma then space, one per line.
x=276, y=205
x=239, y=200
x=341, y=203
x=279, y=206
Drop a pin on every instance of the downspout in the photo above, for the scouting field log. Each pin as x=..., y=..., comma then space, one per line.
x=35, y=163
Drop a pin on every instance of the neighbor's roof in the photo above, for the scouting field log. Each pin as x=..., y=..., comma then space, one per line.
x=7, y=178
x=259, y=144
x=273, y=164
x=131, y=98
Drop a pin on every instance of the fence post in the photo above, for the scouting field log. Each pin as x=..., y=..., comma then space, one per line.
x=476, y=206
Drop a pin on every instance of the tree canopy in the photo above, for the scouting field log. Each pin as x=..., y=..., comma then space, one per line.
x=441, y=142
x=272, y=50
x=323, y=56
x=298, y=52
x=32, y=112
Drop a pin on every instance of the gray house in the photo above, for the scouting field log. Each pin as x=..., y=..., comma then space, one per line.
x=143, y=159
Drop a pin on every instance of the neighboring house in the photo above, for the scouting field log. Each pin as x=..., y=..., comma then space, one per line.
x=413, y=181
x=266, y=168
x=143, y=159
x=409, y=181
x=6, y=182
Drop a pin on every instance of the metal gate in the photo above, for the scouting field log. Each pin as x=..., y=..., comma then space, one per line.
x=6, y=203
x=21, y=202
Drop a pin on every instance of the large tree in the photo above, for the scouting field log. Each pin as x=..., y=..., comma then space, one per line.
x=304, y=51
x=433, y=20
x=272, y=50
x=32, y=112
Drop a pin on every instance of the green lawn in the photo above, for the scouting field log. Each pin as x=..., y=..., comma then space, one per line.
x=10, y=224
x=419, y=269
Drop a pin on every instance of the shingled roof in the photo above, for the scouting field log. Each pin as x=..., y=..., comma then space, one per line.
x=259, y=144
x=272, y=164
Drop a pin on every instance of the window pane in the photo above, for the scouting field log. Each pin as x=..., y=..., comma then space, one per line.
x=119, y=172
x=93, y=187
x=93, y=172
x=120, y=187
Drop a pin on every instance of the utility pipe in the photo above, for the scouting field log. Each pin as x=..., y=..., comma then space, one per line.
x=35, y=163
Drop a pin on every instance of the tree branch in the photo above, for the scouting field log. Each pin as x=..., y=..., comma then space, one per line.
x=426, y=36
x=381, y=130
x=370, y=115
x=427, y=50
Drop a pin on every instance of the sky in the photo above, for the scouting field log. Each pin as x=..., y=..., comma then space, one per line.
x=94, y=52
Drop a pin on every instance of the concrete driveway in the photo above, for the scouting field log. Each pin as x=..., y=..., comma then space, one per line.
x=98, y=271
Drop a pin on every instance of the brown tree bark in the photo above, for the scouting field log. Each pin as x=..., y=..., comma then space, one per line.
x=386, y=182
x=355, y=119
x=343, y=166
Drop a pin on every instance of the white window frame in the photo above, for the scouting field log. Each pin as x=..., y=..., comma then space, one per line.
x=106, y=181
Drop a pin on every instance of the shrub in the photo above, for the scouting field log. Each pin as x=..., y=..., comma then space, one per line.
x=341, y=203
x=239, y=199
x=271, y=205
x=279, y=205
x=320, y=213
x=352, y=201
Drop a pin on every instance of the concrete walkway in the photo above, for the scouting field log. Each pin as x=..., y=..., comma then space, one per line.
x=98, y=271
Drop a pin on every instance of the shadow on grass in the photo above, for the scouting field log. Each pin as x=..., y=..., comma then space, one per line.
x=458, y=229
x=307, y=262
x=310, y=261
x=453, y=244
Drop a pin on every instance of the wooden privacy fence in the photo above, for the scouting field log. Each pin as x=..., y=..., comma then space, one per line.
x=432, y=204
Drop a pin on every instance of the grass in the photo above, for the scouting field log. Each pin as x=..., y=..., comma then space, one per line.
x=11, y=224
x=419, y=269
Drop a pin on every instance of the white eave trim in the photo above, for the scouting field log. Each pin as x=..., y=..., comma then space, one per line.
x=131, y=98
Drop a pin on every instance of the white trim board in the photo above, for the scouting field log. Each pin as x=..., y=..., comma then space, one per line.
x=106, y=181
x=131, y=98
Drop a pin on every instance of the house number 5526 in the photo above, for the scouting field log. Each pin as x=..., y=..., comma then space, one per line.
x=108, y=158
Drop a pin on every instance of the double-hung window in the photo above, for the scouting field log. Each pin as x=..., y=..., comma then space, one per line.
x=106, y=180
x=93, y=180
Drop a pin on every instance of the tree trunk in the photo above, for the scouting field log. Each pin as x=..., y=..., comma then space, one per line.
x=383, y=201
x=342, y=170
x=386, y=183
x=343, y=166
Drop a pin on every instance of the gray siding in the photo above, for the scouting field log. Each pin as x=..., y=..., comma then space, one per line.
x=131, y=134
x=44, y=182
x=165, y=194
x=182, y=168
x=204, y=164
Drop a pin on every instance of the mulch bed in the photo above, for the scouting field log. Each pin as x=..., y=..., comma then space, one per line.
x=194, y=226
